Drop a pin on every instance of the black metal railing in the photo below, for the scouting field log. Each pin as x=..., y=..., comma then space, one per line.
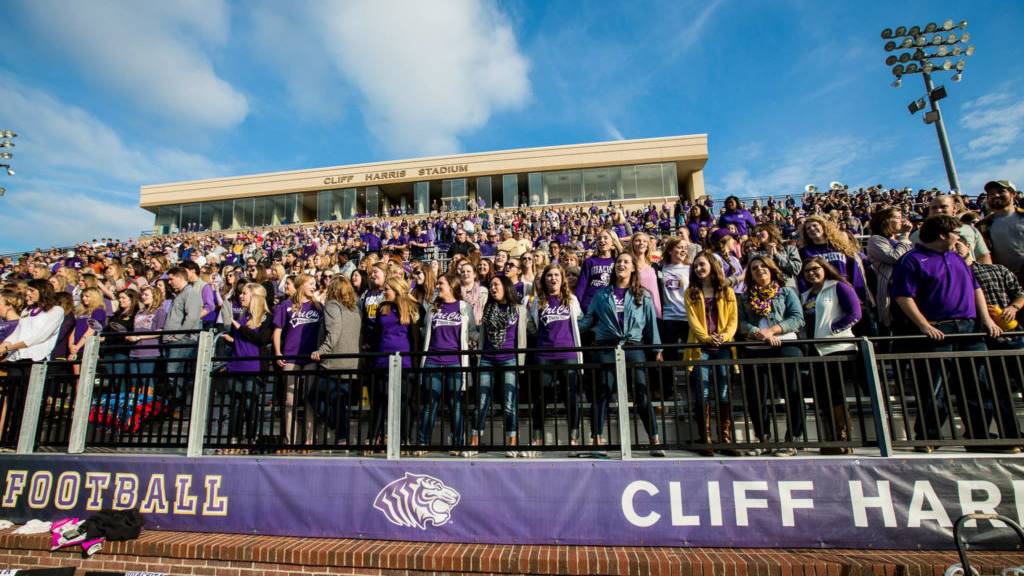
x=141, y=401
x=58, y=404
x=299, y=407
x=962, y=392
x=743, y=398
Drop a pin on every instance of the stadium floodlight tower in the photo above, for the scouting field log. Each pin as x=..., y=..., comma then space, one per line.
x=6, y=141
x=928, y=50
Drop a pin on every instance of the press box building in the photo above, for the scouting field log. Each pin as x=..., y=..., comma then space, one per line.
x=621, y=171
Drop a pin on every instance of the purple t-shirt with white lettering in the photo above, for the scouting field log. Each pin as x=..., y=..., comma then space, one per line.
x=394, y=337
x=300, y=327
x=554, y=330
x=596, y=274
x=446, y=333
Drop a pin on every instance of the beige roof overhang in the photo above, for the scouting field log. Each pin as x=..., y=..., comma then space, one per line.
x=690, y=153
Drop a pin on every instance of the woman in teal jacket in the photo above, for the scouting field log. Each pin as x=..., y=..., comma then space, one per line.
x=770, y=312
x=622, y=313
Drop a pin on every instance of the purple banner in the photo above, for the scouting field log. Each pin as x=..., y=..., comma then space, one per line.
x=849, y=503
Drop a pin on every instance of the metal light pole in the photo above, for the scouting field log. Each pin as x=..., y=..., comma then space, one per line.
x=916, y=40
x=940, y=129
x=6, y=141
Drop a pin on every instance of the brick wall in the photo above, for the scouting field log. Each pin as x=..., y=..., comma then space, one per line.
x=241, y=555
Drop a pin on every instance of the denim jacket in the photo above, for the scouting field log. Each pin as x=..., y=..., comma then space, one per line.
x=639, y=324
x=786, y=312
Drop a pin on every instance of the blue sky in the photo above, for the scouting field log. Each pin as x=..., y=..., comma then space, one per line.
x=110, y=95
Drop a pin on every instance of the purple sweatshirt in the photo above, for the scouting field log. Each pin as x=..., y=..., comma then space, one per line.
x=595, y=274
x=845, y=265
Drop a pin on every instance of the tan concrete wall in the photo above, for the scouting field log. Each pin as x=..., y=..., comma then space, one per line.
x=690, y=153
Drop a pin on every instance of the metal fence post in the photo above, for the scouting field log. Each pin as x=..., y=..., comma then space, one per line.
x=30, y=414
x=879, y=410
x=394, y=427
x=625, y=434
x=200, y=394
x=83, y=395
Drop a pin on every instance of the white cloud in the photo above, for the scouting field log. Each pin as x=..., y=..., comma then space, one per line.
x=1008, y=169
x=817, y=162
x=77, y=178
x=429, y=72
x=154, y=53
x=997, y=120
x=56, y=137
x=612, y=132
x=41, y=218
x=280, y=35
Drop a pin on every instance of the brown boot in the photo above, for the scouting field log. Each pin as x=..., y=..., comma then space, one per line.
x=705, y=432
x=841, y=425
x=725, y=426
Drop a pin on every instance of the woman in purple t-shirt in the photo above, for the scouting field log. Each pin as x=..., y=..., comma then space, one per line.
x=395, y=330
x=553, y=319
x=446, y=329
x=597, y=270
x=250, y=333
x=296, y=337
x=90, y=319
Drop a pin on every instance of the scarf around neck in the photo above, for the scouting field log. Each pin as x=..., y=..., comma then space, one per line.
x=760, y=298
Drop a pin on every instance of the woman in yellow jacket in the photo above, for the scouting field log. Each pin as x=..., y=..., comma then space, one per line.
x=711, y=308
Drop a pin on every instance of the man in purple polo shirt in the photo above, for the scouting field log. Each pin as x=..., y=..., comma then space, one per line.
x=935, y=289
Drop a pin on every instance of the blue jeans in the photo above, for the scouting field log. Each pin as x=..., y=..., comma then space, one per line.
x=704, y=379
x=433, y=382
x=511, y=404
x=142, y=369
x=604, y=390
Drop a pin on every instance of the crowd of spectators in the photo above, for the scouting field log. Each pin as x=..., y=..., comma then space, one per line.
x=826, y=265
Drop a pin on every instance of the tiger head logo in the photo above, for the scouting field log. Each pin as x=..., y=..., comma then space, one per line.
x=415, y=500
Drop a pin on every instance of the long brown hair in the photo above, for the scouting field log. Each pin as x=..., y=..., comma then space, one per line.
x=773, y=268
x=830, y=271
x=341, y=289
x=719, y=284
x=564, y=295
x=633, y=286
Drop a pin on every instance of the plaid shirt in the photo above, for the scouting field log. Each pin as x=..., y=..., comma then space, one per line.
x=999, y=285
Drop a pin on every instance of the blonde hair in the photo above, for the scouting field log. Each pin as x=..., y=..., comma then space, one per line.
x=407, y=313
x=158, y=298
x=646, y=258
x=95, y=301
x=300, y=281
x=257, y=304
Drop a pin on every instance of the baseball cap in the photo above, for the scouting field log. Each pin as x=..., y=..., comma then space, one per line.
x=999, y=184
